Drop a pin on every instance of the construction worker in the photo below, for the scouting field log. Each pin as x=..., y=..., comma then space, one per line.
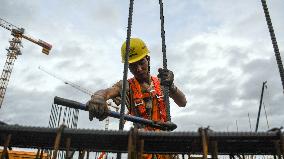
x=144, y=93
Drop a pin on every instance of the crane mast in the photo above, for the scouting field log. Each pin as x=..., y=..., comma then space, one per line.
x=13, y=51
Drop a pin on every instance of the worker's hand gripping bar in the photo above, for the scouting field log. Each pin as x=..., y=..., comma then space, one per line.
x=169, y=126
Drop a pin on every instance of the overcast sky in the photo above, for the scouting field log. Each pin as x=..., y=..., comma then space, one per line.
x=219, y=50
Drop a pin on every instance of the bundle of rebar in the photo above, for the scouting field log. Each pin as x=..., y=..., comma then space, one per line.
x=201, y=142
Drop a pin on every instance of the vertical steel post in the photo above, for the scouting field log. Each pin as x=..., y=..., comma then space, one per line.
x=133, y=144
x=81, y=154
x=140, y=148
x=37, y=153
x=260, y=103
x=204, y=142
x=88, y=154
x=126, y=65
x=125, y=71
x=214, y=145
x=5, y=154
x=281, y=143
x=41, y=154
x=68, y=143
x=165, y=88
x=57, y=141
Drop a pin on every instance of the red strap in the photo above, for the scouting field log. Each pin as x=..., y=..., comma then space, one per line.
x=160, y=98
x=138, y=97
x=135, y=87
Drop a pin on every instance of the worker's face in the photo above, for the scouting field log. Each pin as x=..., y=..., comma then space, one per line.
x=140, y=69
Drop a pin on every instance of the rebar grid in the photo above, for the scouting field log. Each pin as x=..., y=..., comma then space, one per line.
x=223, y=143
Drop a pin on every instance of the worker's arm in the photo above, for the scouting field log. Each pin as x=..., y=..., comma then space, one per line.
x=178, y=96
x=97, y=105
x=108, y=93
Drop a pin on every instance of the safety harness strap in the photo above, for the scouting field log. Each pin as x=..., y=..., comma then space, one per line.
x=156, y=95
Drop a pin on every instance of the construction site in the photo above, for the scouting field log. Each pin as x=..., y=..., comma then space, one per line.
x=224, y=99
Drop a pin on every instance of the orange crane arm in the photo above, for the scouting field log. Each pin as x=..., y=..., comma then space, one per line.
x=46, y=47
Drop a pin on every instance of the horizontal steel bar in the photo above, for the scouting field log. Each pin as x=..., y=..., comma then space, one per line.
x=76, y=105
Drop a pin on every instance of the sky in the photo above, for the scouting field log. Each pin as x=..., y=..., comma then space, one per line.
x=219, y=50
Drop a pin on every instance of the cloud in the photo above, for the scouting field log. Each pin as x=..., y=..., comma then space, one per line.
x=223, y=78
x=25, y=107
x=19, y=12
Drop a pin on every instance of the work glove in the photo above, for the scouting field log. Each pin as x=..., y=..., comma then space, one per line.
x=97, y=107
x=166, y=76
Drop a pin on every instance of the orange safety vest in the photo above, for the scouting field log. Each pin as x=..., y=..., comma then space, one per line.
x=158, y=104
x=158, y=107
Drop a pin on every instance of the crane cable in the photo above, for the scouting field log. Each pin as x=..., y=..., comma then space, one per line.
x=78, y=87
x=274, y=42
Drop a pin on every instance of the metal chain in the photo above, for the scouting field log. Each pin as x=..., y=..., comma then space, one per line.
x=165, y=88
x=274, y=42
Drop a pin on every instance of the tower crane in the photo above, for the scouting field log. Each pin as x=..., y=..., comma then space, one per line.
x=14, y=50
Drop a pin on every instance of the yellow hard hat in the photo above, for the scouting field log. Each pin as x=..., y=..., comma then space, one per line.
x=138, y=50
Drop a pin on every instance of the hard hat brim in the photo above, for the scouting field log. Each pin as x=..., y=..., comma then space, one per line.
x=137, y=58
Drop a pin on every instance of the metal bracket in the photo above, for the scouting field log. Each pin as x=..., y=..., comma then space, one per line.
x=68, y=143
x=135, y=145
x=57, y=141
x=204, y=141
x=81, y=154
x=214, y=151
x=281, y=142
